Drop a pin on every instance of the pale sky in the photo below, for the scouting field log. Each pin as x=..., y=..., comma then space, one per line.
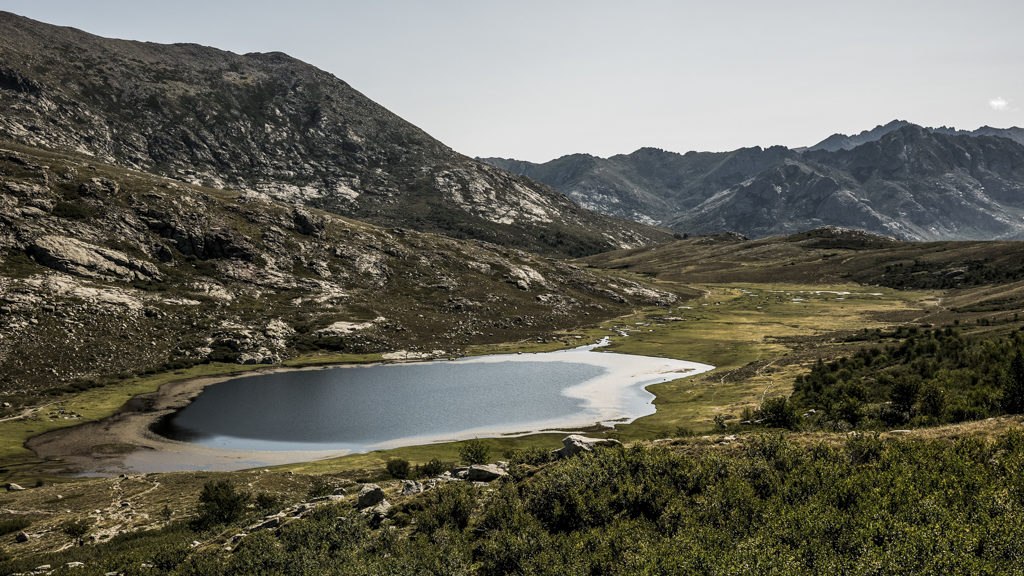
x=535, y=79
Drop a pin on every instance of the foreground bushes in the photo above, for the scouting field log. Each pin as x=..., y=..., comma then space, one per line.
x=860, y=506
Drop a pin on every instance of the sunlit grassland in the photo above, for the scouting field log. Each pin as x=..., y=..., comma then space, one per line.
x=734, y=327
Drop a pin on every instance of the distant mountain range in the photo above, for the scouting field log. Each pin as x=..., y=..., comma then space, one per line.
x=274, y=125
x=899, y=179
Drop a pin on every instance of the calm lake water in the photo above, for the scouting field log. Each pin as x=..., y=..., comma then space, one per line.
x=358, y=408
x=363, y=408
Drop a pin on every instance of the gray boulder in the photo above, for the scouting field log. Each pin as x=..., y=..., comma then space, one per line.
x=12, y=487
x=411, y=487
x=369, y=495
x=575, y=444
x=484, y=473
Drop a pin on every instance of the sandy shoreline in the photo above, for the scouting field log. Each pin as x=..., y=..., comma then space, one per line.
x=125, y=443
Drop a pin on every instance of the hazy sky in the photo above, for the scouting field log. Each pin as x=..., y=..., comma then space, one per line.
x=537, y=79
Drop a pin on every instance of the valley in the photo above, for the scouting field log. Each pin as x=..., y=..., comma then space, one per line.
x=253, y=322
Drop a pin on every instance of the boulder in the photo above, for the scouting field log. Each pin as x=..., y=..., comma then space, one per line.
x=411, y=487
x=484, y=473
x=21, y=537
x=12, y=487
x=575, y=444
x=369, y=495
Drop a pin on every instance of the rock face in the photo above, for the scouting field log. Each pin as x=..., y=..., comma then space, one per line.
x=575, y=444
x=369, y=495
x=899, y=180
x=77, y=257
x=276, y=126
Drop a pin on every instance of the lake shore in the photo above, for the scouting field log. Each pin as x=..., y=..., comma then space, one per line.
x=125, y=442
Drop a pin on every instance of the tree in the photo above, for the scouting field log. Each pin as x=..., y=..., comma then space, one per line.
x=474, y=451
x=933, y=400
x=1013, y=388
x=220, y=503
x=779, y=412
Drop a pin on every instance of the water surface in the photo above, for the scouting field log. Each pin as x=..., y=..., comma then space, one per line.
x=362, y=408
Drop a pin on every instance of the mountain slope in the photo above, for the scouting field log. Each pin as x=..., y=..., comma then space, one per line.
x=899, y=179
x=106, y=272
x=275, y=125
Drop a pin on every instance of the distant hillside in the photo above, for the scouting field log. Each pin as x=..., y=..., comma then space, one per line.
x=275, y=125
x=899, y=179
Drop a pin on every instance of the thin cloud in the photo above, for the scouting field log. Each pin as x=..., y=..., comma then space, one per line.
x=999, y=104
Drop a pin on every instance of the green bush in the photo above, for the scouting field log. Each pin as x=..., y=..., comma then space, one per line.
x=319, y=487
x=447, y=506
x=220, y=503
x=779, y=412
x=474, y=452
x=398, y=468
x=431, y=469
x=76, y=529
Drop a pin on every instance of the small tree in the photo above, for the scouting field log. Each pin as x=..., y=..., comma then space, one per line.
x=398, y=468
x=433, y=468
x=474, y=451
x=1013, y=388
x=779, y=412
x=933, y=401
x=76, y=529
x=220, y=503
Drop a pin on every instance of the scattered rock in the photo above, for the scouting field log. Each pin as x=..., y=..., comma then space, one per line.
x=484, y=473
x=575, y=444
x=411, y=487
x=369, y=495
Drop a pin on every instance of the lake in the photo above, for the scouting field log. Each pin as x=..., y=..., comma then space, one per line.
x=362, y=408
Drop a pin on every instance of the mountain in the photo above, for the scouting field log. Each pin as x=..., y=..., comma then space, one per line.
x=899, y=179
x=843, y=142
x=274, y=125
x=650, y=184
x=107, y=272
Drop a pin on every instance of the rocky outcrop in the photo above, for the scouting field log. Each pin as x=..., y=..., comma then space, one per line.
x=485, y=473
x=369, y=495
x=77, y=257
x=576, y=444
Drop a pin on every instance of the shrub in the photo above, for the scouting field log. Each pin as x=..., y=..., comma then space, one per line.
x=398, y=468
x=320, y=487
x=433, y=468
x=450, y=505
x=76, y=529
x=220, y=503
x=779, y=412
x=266, y=502
x=474, y=452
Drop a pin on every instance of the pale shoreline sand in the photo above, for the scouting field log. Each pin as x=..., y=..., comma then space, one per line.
x=125, y=443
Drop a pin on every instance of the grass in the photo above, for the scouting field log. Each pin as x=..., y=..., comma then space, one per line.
x=756, y=336
x=746, y=330
x=750, y=332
